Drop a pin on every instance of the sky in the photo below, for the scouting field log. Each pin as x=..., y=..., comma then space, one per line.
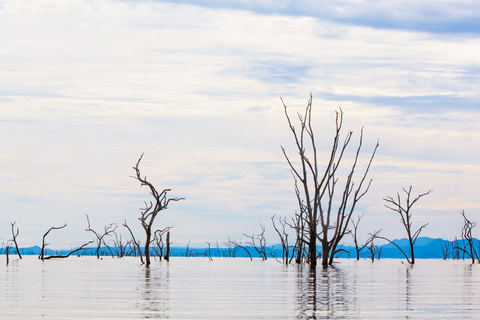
x=86, y=87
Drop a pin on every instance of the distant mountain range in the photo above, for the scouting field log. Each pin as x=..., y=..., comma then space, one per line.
x=425, y=248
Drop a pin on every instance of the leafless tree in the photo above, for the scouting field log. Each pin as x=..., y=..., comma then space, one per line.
x=371, y=251
x=258, y=242
x=159, y=243
x=208, y=252
x=455, y=249
x=44, y=244
x=167, y=241
x=317, y=189
x=283, y=235
x=187, y=249
x=135, y=242
x=404, y=210
x=379, y=252
x=446, y=245
x=467, y=238
x=119, y=245
x=231, y=248
x=14, y=239
x=354, y=233
x=298, y=225
x=151, y=210
x=107, y=230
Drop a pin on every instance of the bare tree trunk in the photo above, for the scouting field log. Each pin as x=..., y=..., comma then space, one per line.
x=317, y=192
x=167, y=253
x=147, y=246
x=14, y=239
x=135, y=242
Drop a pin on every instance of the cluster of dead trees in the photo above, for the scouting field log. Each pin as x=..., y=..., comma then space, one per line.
x=157, y=241
x=328, y=189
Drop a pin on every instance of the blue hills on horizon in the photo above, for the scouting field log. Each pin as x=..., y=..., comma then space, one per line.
x=425, y=248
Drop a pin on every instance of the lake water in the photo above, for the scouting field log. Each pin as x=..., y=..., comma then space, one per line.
x=194, y=288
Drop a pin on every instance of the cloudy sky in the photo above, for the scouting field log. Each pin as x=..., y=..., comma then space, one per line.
x=86, y=87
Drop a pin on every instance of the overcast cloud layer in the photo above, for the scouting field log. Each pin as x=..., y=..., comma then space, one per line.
x=87, y=86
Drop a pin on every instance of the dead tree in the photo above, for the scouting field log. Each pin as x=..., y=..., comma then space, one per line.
x=151, y=210
x=14, y=239
x=44, y=244
x=354, y=233
x=107, y=230
x=167, y=253
x=468, y=247
x=135, y=242
x=231, y=248
x=6, y=253
x=317, y=189
x=404, y=210
x=298, y=224
x=258, y=242
x=446, y=249
x=119, y=245
x=283, y=235
x=159, y=244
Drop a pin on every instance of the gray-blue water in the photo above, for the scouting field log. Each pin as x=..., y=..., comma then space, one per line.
x=194, y=288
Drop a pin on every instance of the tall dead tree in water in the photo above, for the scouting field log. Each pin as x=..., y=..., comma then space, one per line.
x=151, y=210
x=326, y=206
x=403, y=208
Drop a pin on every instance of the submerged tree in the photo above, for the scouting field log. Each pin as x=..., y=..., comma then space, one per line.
x=325, y=206
x=404, y=210
x=14, y=239
x=467, y=239
x=107, y=230
x=354, y=233
x=57, y=256
x=151, y=210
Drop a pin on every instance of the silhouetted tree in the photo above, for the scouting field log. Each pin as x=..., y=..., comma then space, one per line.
x=258, y=242
x=283, y=235
x=107, y=230
x=44, y=244
x=404, y=210
x=354, y=234
x=446, y=249
x=119, y=245
x=14, y=239
x=151, y=210
x=467, y=238
x=135, y=242
x=317, y=189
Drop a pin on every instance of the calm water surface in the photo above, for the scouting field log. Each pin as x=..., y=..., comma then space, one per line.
x=194, y=288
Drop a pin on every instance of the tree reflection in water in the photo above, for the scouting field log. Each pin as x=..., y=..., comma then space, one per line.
x=155, y=293
x=323, y=293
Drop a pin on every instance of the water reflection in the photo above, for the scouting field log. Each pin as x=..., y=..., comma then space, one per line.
x=323, y=293
x=193, y=288
x=155, y=292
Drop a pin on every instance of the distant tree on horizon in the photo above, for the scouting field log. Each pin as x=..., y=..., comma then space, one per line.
x=404, y=210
